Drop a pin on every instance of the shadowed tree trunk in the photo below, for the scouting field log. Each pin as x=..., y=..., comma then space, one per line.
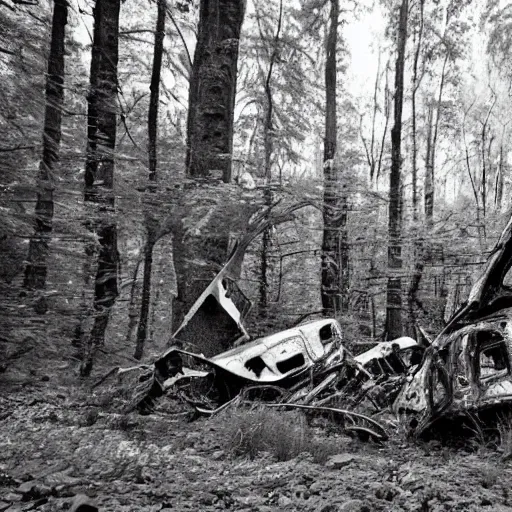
x=213, y=87
x=430, y=159
x=154, y=88
x=498, y=186
x=209, y=137
x=151, y=224
x=415, y=86
x=36, y=269
x=99, y=175
x=418, y=257
x=334, y=248
x=268, y=144
x=394, y=285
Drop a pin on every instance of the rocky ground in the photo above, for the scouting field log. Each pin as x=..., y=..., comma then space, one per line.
x=56, y=444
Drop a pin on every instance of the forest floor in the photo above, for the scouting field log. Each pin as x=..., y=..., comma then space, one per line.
x=58, y=442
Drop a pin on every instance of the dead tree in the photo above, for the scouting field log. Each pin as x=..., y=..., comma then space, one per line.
x=334, y=264
x=36, y=269
x=99, y=169
x=268, y=143
x=151, y=224
x=394, y=285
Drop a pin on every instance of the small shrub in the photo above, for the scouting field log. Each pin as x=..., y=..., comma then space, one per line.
x=489, y=476
x=123, y=422
x=282, y=434
x=90, y=417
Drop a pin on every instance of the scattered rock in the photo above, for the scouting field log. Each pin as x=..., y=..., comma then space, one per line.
x=386, y=492
x=34, y=490
x=316, y=487
x=284, y=501
x=27, y=487
x=340, y=461
x=83, y=503
x=218, y=455
x=411, y=482
x=12, y=497
x=354, y=506
x=301, y=492
x=329, y=508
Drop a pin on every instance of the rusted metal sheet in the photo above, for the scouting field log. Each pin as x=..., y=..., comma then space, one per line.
x=214, y=323
x=279, y=358
x=284, y=354
x=391, y=356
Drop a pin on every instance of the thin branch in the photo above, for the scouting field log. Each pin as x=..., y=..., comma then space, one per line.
x=136, y=31
x=366, y=150
x=13, y=9
x=169, y=12
x=17, y=148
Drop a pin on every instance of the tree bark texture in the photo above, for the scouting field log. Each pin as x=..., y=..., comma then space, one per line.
x=432, y=146
x=213, y=87
x=142, y=328
x=151, y=224
x=418, y=254
x=334, y=267
x=155, y=89
x=394, y=285
x=99, y=175
x=429, y=169
x=268, y=143
x=498, y=187
x=415, y=87
x=36, y=269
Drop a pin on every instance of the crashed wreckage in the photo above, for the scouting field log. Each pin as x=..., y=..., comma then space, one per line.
x=466, y=373
x=305, y=367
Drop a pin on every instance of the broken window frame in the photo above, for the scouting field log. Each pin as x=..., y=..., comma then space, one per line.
x=481, y=347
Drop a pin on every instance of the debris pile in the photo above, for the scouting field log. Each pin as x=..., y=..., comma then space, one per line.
x=305, y=367
x=466, y=374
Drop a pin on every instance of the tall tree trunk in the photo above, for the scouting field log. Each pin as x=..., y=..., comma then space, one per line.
x=213, y=87
x=151, y=224
x=387, y=112
x=394, y=286
x=415, y=87
x=142, y=328
x=429, y=169
x=498, y=187
x=133, y=310
x=154, y=88
x=432, y=147
x=331, y=292
x=99, y=176
x=418, y=259
x=484, y=163
x=36, y=269
x=268, y=144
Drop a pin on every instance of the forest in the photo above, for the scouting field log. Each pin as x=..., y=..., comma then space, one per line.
x=329, y=159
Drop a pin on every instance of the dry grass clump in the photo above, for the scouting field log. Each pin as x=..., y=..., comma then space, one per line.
x=283, y=434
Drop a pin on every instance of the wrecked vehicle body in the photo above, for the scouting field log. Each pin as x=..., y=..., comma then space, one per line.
x=385, y=366
x=281, y=359
x=391, y=357
x=467, y=372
